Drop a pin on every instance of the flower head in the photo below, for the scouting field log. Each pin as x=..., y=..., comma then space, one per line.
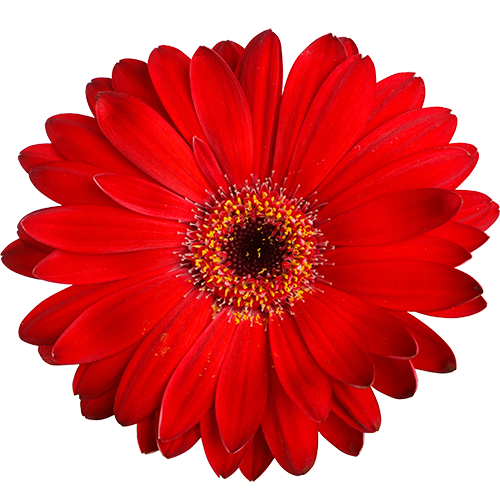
x=244, y=260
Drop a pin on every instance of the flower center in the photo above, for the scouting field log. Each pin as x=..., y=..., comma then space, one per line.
x=254, y=250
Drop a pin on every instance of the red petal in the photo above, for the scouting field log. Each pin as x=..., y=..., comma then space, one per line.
x=24, y=236
x=40, y=153
x=304, y=381
x=257, y=458
x=79, y=138
x=333, y=342
x=342, y=435
x=120, y=319
x=468, y=309
x=222, y=462
x=22, y=258
x=425, y=248
x=178, y=446
x=104, y=375
x=260, y=73
x=402, y=136
x=306, y=76
x=191, y=389
x=357, y=407
x=466, y=236
x=69, y=183
x=393, y=217
x=474, y=208
x=146, y=434
x=290, y=434
x=231, y=52
x=99, y=229
x=148, y=372
x=45, y=352
x=241, y=394
x=169, y=70
x=489, y=219
x=209, y=166
x=147, y=140
x=131, y=76
x=145, y=197
x=98, y=408
x=394, y=377
x=94, y=87
x=349, y=45
x=370, y=325
x=223, y=113
x=409, y=286
x=434, y=355
x=334, y=121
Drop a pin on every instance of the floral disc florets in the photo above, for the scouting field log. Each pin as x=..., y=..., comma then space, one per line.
x=255, y=250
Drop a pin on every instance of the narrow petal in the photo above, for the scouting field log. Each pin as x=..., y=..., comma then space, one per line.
x=145, y=197
x=290, y=434
x=35, y=155
x=69, y=183
x=84, y=269
x=99, y=229
x=148, y=141
x=120, y=319
x=146, y=435
x=230, y=51
x=257, y=458
x=191, y=389
x=93, y=88
x=222, y=462
x=333, y=342
x=357, y=407
x=410, y=286
x=424, y=248
x=79, y=138
x=307, y=75
x=393, y=217
x=209, y=166
x=434, y=354
x=169, y=70
x=223, y=113
x=466, y=236
x=148, y=372
x=468, y=309
x=404, y=135
x=333, y=123
x=307, y=385
x=181, y=444
x=99, y=408
x=241, y=394
x=342, y=435
x=260, y=73
x=22, y=258
x=395, y=377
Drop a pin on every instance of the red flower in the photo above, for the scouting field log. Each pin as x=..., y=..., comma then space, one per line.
x=243, y=260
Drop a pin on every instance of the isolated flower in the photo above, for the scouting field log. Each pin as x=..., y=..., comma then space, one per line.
x=243, y=259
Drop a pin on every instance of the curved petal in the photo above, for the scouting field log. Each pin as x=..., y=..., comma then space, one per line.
x=241, y=393
x=93, y=88
x=260, y=73
x=290, y=434
x=100, y=229
x=395, y=377
x=224, y=114
x=145, y=197
x=409, y=286
x=22, y=258
x=99, y=408
x=209, y=166
x=257, y=458
x=230, y=51
x=307, y=75
x=191, y=389
x=35, y=155
x=85, y=269
x=434, y=354
x=344, y=437
x=147, y=140
x=466, y=236
x=474, y=208
x=178, y=446
x=169, y=70
x=467, y=309
x=120, y=319
x=146, y=435
x=333, y=123
x=148, y=372
x=307, y=385
x=393, y=217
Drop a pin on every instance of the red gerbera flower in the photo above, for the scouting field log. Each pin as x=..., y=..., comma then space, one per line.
x=243, y=259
